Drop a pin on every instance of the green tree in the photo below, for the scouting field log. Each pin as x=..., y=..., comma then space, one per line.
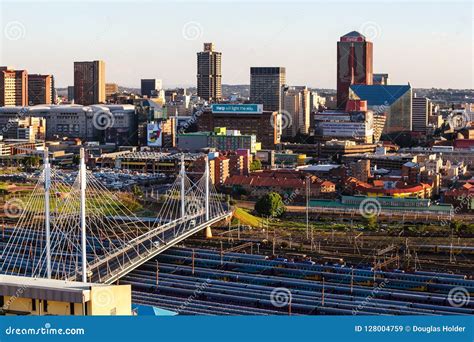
x=270, y=205
x=137, y=192
x=255, y=165
x=371, y=222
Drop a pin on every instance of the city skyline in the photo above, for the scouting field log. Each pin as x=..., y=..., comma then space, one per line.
x=165, y=46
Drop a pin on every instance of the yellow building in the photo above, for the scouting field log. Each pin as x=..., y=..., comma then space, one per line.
x=35, y=296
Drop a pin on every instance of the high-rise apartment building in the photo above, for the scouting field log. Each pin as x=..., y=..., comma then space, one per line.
x=151, y=87
x=13, y=87
x=40, y=89
x=354, y=64
x=209, y=74
x=266, y=87
x=296, y=105
x=89, y=82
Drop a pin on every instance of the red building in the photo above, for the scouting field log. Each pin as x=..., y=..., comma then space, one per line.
x=354, y=64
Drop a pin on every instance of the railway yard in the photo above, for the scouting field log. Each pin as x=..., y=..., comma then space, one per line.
x=201, y=281
x=241, y=270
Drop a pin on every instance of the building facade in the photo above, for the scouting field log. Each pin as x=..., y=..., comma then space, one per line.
x=296, y=105
x=421, y=111
x=13, y=87
x=40, y=89
x=111, y=88
x=265, y=125
x=354, y=64
x=209, y=74
x=395, y=101
x=266, y=87
x=89, y=82
x=151, y=86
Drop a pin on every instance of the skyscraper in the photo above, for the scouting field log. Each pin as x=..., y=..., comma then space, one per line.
x=150, y=87
x=13, y=87
x=209, y=75
x=354, y=64
x=421, y=111
x=266, y=85
x=89, y=82
x=40, y=89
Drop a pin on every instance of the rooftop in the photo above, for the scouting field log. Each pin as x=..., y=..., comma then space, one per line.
x=379, y=95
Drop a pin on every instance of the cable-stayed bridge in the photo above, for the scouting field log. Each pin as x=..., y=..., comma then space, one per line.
x=82, y=231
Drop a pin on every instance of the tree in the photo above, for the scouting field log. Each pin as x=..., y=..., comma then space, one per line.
x=270, y=205
x=255, y=165
x=371, y=222
x=137, y=191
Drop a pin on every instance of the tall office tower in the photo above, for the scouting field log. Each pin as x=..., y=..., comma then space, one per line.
x=354, y=64
x=151, y=87
x=421, y=111
x=266, y=87
x=209, y=75
x=89, y=82
x=40, y=89
x=13, y=87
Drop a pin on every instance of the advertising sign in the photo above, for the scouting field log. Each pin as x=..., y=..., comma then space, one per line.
x=154, y=135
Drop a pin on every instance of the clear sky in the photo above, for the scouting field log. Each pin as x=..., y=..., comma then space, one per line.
x=427, y=43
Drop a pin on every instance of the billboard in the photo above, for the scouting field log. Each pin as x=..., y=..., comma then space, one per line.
x=154, y=134
x=237, y=108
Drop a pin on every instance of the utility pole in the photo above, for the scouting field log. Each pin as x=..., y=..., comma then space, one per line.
x=82, y=172
x=47, y=185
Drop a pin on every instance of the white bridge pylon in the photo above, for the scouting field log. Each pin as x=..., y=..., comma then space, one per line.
x=74, y=228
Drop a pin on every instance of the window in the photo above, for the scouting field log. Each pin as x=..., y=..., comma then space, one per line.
x=71, y=309
x=33, y=304
x=45, y=306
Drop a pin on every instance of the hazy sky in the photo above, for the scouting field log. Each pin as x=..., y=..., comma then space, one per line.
x=427, y=43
